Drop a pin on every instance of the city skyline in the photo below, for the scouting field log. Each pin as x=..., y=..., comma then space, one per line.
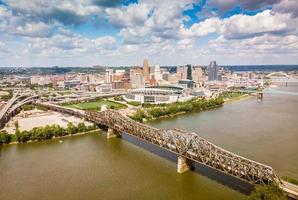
x=123, y=33
x=103, y=94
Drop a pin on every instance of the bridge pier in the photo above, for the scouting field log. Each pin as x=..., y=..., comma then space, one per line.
x=259, y=96
x=111, y=133
x=183, y=165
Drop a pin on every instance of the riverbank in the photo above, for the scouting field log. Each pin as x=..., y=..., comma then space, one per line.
x=30, y=119
x=44, y=133
x=58, y=137
x=169, y=110
x=238, y=98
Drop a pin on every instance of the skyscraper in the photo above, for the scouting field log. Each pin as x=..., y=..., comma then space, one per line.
x=189, y=73
x=157, y=73
x=197, y=74
x=146, y=69
x=212, y=71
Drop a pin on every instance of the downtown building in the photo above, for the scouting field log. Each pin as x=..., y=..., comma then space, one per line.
x=213, y=71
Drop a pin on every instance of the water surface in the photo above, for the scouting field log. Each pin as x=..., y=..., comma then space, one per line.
x=92, y=167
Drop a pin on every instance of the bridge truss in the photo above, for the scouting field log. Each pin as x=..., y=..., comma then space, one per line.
x=190, y=146
x=185, y=144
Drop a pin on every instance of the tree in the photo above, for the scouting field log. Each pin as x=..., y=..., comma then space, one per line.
x=81, y=127
x=27, y=107
x=71, y=129
x=139, y=115
x=47, y=132
x=155, y=112
x=16, y=124
x=5, y=138
x=267, y=192
x=18, y=135
x=24, y=136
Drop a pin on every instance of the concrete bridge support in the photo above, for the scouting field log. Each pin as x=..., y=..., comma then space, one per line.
x=183, y=165
x=111, y=133
x=259, y=96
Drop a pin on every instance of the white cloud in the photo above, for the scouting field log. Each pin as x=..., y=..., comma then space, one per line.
x=2, y=44
x=287, y=6
x=62, y=45
x=225, y=5
x=150, y=28
x=203, y=28
x=262, y=45
x=19, y=25
x=148, y=19
x=244, y=26
x=69, y=12
x=131, y=15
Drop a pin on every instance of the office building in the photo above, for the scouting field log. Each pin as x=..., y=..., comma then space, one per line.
x=188, y=72
x=212, y=71
x=146, y=69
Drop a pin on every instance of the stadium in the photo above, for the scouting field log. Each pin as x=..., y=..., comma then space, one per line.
x=157, y=95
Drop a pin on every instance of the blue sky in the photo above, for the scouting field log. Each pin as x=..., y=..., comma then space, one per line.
x=167, y=32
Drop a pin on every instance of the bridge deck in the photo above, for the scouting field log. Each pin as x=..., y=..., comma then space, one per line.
x=290, y=189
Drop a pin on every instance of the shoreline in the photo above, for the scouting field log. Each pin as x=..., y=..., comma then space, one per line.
x=65, y=136
x=242, y=97
x=176, y=114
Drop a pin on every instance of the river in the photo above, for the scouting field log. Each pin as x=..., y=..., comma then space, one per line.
x=92, y=167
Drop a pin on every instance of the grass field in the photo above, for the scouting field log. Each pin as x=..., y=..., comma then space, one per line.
x=96, y=105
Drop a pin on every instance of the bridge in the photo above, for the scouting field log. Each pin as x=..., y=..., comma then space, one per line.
x=188, y=146
x=281, y=77
x=13, y=105
x=278, y=74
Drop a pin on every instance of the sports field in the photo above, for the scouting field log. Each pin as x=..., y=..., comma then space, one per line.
x=96, y=105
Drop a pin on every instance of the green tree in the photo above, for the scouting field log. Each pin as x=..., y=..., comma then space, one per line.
x=5, y=138
x=71, y=129
x=16, y=124
x=139, y=115
x=47, y=132
x=18, y=135
x=27, y=107
x=267, y=192
x=24, y=136
x=81, y=127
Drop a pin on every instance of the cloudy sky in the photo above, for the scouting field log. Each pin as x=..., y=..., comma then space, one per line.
x=167, y=32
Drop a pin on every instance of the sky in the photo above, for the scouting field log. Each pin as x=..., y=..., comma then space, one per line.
x=167, y=32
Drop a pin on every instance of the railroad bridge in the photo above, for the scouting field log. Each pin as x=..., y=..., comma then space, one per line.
x=189, y=146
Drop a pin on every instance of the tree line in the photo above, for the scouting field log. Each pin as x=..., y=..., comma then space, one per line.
x=177, y=107
x=43, y=133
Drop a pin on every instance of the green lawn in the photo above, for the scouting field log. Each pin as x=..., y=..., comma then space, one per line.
x=96, y=105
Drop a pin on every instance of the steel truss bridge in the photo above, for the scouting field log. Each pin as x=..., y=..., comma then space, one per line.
x=185, y=144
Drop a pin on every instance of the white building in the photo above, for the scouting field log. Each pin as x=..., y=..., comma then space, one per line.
x=104, y=88
x=157, y=73
x=137, y=80
x=197, y=74
x=40, y=80
x=157, y=95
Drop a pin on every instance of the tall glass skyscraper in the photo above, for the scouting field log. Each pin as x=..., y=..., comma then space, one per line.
x=189, y=72
x=212, y=71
